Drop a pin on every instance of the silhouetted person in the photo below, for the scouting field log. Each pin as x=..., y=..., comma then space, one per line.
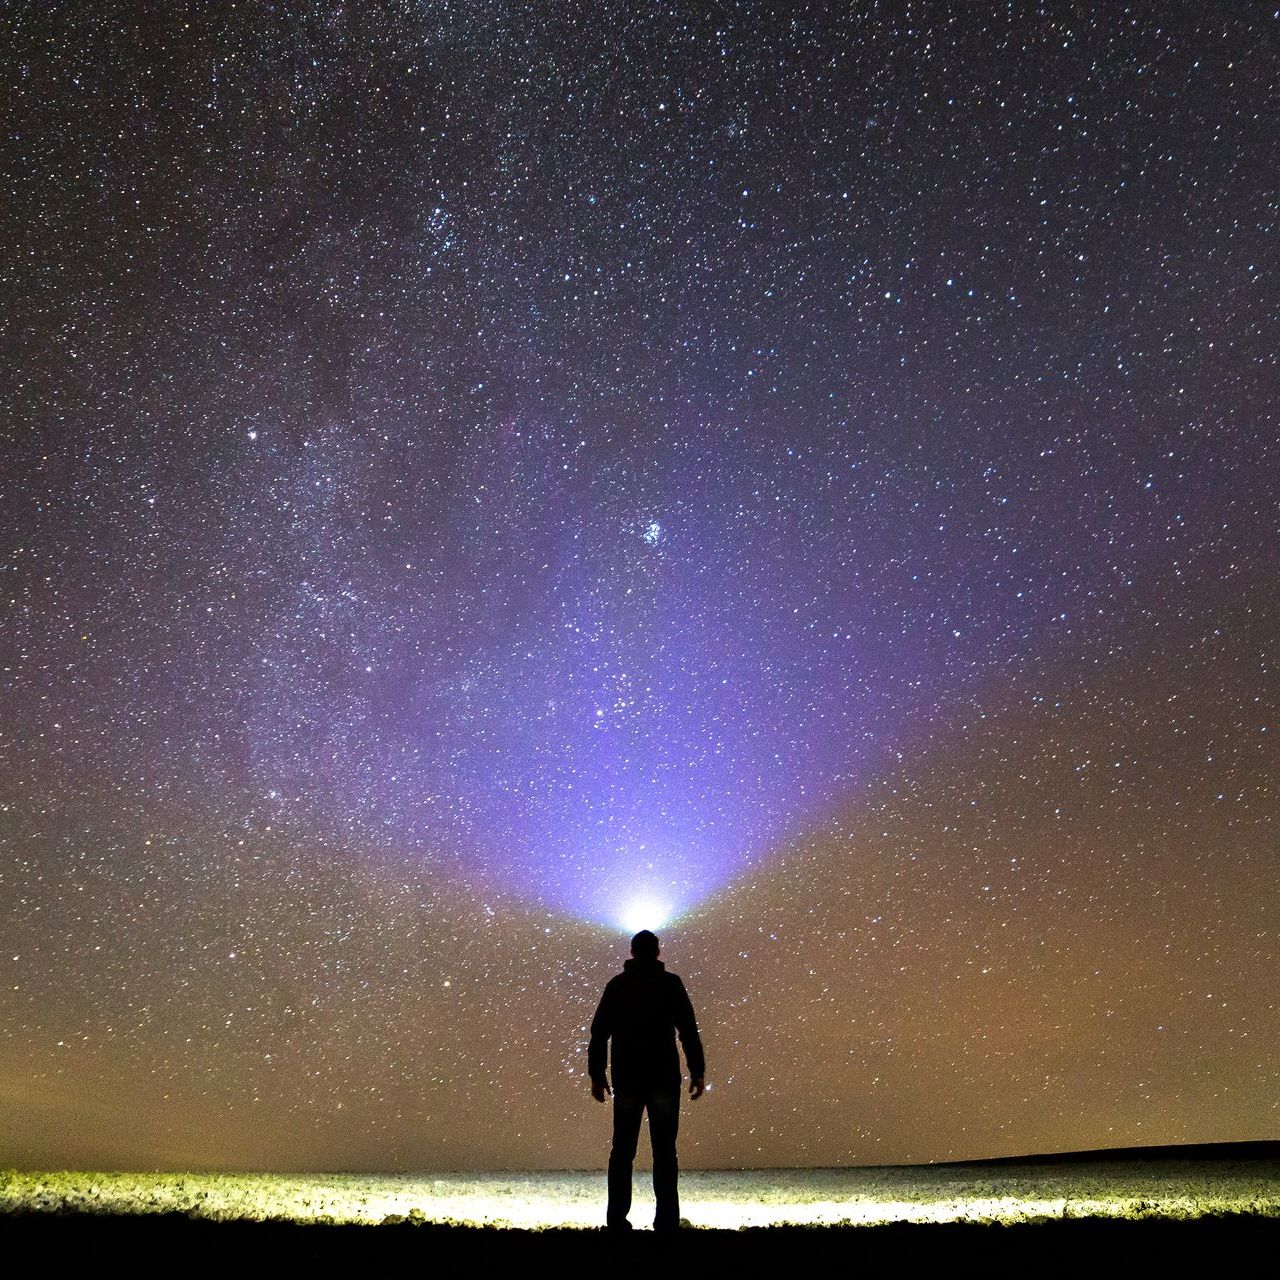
x=641, y=1009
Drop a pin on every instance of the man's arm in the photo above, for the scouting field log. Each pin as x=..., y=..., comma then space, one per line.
x=598, y=1047
x=687, y=1026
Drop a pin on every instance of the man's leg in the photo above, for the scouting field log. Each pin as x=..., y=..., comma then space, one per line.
x=664, y=1121
x=628, y=1108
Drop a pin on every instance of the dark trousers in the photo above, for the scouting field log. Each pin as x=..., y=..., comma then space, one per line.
x=662, y=1101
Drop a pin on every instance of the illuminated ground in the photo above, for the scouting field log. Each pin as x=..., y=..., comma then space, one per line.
x=977, y=1193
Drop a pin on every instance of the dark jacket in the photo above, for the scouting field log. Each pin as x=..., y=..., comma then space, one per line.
x=642, y=1008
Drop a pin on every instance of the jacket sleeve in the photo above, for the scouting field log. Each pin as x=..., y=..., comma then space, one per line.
x=687, y=1026
x=601, y=1030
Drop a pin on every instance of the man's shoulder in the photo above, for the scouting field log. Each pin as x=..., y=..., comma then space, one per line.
x=625, y=979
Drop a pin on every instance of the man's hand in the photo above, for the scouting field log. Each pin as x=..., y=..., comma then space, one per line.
x=598, y=1089
x=696, y=1086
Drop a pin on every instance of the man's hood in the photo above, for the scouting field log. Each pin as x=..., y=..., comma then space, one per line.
x=638, y=964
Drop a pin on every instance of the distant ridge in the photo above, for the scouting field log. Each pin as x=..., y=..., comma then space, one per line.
x=1260, y=1150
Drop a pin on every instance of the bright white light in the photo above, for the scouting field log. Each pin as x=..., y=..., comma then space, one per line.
x=1154, y=1190
x=644, y=913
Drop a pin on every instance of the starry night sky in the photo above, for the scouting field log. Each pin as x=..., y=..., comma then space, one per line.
x=482, y=477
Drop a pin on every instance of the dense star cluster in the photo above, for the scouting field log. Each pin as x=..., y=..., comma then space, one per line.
x=481, y=478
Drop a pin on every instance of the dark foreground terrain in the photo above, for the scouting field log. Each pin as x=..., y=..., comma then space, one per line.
x=175, y=1241
x=1177, y=1207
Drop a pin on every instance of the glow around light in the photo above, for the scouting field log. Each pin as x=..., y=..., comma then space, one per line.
x=724, y=1199
x=644, y=913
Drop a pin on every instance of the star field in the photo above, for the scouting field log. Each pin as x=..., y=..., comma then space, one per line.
x=478, y=475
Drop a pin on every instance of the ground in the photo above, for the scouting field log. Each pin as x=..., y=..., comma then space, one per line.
x=1044, y=1210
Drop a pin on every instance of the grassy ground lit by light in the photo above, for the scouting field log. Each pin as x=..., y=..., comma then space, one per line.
x=799, y=1197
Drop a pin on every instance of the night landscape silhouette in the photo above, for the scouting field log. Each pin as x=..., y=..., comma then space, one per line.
x=639, y=627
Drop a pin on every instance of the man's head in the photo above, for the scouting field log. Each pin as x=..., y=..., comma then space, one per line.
x=644, y=946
